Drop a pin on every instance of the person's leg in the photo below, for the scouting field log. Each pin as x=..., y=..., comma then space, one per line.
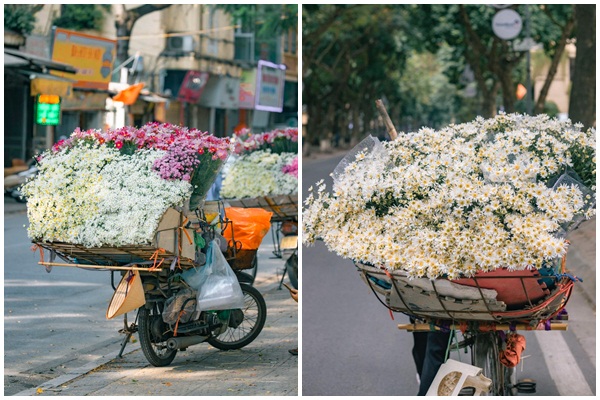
x=437, y=343
x=419, y=350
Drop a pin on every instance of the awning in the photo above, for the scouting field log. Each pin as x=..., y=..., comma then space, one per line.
x=152, y=98
x=15, y=58
x=50, y=84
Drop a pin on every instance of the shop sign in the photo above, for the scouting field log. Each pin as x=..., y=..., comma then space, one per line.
x=247, y=88
x=51, y=86
x=93, y=56
x=192, y=86
x=47, y=109
x=270, y=83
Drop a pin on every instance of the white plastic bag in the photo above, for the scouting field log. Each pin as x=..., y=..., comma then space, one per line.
x=218, y=287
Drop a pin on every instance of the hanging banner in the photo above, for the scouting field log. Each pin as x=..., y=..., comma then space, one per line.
x=270, y=82
x=93, y=56
x=247, y=88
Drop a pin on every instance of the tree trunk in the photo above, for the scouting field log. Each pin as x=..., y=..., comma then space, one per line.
x=488, y=105
x=582, y=104
x=560, y=48
x=508, y=90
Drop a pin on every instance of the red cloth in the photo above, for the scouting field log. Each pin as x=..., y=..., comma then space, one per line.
x=515, y=345
x=513, y=287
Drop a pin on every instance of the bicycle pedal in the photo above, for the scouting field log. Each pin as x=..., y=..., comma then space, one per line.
x=526, y=386
x=467, y=391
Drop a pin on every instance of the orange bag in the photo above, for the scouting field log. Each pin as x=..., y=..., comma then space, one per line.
x=250, y=225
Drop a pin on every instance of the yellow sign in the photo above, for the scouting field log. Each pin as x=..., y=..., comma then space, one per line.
x=51, y=86
x=93, y=56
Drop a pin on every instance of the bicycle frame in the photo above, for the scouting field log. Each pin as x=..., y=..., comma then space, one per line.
x=485, y=343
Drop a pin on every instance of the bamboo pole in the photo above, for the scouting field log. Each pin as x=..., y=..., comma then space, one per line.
x=554, y=326
x=88, y=266
x=386, y=119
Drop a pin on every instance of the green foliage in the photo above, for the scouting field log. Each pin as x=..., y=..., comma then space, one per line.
x=81, y=16
x=20, y=18
x=414, y=56
x=429, y=98
x=265, y=20
x=547, y=21
x=352, y=55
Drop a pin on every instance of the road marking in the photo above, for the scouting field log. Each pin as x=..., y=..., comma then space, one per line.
x=565, y=372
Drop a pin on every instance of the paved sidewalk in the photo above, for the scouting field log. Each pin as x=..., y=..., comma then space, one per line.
x=263, y=368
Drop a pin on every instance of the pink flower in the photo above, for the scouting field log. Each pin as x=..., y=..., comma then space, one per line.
x=291, y=168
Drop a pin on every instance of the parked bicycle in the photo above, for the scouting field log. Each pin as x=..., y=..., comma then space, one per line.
x=155, y=286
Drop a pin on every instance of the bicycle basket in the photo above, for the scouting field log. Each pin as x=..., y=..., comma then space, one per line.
x=502, y=296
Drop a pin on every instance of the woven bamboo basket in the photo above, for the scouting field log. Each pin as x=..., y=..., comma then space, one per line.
x=501, y=297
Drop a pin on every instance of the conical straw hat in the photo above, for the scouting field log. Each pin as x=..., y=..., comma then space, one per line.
x=128, y=296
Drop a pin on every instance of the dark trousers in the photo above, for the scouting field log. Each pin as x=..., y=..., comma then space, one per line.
x=429, y=353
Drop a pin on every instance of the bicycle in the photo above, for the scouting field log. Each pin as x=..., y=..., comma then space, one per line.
x=167, y=319
x=485, y=344
x=484, y=321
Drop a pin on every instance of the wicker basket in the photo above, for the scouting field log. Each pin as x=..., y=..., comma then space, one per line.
x=544, y=297
x=242, y=259
x=172, y=241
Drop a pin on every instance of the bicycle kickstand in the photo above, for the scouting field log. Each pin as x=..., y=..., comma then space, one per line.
x=128, y=331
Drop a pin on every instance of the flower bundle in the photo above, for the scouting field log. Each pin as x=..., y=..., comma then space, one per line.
x=261, y=173
x=278, y=141
x=491, y=193
x=111, y=188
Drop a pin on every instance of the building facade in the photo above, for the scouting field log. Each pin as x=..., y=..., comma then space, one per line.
x=198, y=67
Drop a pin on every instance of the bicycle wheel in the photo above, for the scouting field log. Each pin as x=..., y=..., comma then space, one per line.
x=153, y=340
x=243, y=332
x=485, y=356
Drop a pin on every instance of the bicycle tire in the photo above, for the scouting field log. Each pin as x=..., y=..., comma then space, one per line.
x=255, y=315
x=152, y=341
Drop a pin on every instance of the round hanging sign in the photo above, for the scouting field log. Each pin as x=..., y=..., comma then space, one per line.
x=507, y=24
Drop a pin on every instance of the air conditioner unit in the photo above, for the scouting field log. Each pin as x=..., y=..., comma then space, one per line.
x=183, y=44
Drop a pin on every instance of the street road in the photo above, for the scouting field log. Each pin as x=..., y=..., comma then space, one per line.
x=351, y=345
x=55, y=328
x=52, y=322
